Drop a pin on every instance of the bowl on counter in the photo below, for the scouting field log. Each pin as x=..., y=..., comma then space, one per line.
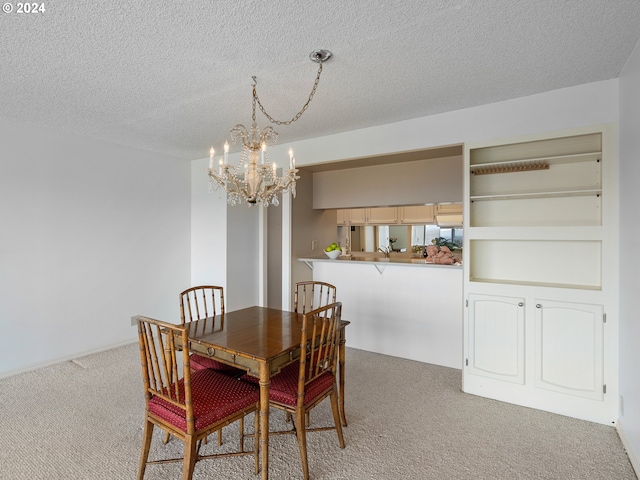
x=333, y=254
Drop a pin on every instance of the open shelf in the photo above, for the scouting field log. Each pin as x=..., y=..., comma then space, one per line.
x=537, y=163
x=537, y=284
x=540, y=183
x=575, y=263
x=541, y=194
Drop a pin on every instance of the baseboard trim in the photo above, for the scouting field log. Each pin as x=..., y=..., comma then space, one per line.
x=633, y=458
x=36, y=366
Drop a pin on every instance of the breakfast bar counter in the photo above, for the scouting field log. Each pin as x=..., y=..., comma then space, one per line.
x=401, y=308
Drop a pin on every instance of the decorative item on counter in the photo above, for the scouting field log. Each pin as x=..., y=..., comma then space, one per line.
x=443, y=256
x=346, y=251
x=443, y=242
x=432, y=251
x=333, y=251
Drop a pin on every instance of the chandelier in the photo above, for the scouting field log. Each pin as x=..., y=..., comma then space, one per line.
x=255, y=179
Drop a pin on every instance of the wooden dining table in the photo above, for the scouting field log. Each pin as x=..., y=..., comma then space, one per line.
x=261, y=341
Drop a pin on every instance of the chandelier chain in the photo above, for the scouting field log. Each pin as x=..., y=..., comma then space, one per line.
x=299, y=114
x=255, y=179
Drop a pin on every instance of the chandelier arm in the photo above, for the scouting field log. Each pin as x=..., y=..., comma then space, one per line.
x=297, y=115
x=239, y=132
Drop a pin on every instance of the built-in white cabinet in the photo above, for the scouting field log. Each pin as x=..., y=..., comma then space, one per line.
x=496, y=337
x=567, y=342
x=540, y=321
x=568, y=348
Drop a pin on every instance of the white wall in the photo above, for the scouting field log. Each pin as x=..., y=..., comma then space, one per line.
x=92, y=233
x=208, y=229
x=224, y=241
x=243, y=253
x=629, y=151
x=584, y=105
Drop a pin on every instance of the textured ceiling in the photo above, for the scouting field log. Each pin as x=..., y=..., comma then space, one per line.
x=174, y=76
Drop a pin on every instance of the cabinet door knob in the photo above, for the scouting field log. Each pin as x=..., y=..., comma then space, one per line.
x=520, y=304
x=538, y=305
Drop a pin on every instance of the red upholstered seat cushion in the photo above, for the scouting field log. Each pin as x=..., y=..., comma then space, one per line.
x=200, y=362
x=284, y=386
x=215, y=397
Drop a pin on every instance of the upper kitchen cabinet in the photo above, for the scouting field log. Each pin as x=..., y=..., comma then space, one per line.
x=448, y=209
x=405, y=215
x=342, y=216
x=352, y=216
x=382, y=215
x=448, y=214
x=417, y=214
x=367, y=216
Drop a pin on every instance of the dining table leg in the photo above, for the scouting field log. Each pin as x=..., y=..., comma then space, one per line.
x=341, y=361
x=265, y=382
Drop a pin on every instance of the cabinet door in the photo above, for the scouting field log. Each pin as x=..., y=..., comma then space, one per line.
x=342, y=216
x=416, y=214
x=358, y=216
x=569, y=348
x=382, y=215
x=496, y=337
x=449, y=208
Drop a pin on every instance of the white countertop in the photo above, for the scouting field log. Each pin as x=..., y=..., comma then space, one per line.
x=410, y=262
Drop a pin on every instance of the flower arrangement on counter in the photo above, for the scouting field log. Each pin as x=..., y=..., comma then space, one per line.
x=443, y=242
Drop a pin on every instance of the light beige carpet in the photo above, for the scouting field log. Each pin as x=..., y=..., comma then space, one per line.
x=407, y=420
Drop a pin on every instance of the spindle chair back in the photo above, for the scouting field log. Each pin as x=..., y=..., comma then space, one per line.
x=312, y=294
x=188, y=405
x=301, y=386
x=201, y=303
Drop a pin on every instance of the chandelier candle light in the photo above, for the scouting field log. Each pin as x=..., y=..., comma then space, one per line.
x=255, y=180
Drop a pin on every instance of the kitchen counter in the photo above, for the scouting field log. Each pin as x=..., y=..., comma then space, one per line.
x=377, y=261
x=399, y=308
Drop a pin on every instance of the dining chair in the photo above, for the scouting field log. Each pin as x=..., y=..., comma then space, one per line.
x=192, y=407
x=307, y=296
x=302, y=385
x=312, y=294
x=198, y=303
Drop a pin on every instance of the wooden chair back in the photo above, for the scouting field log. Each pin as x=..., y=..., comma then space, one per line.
x=163, y=365
x=319, y=345
x=312, y=294
x=172, y=401
x=197, y=303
